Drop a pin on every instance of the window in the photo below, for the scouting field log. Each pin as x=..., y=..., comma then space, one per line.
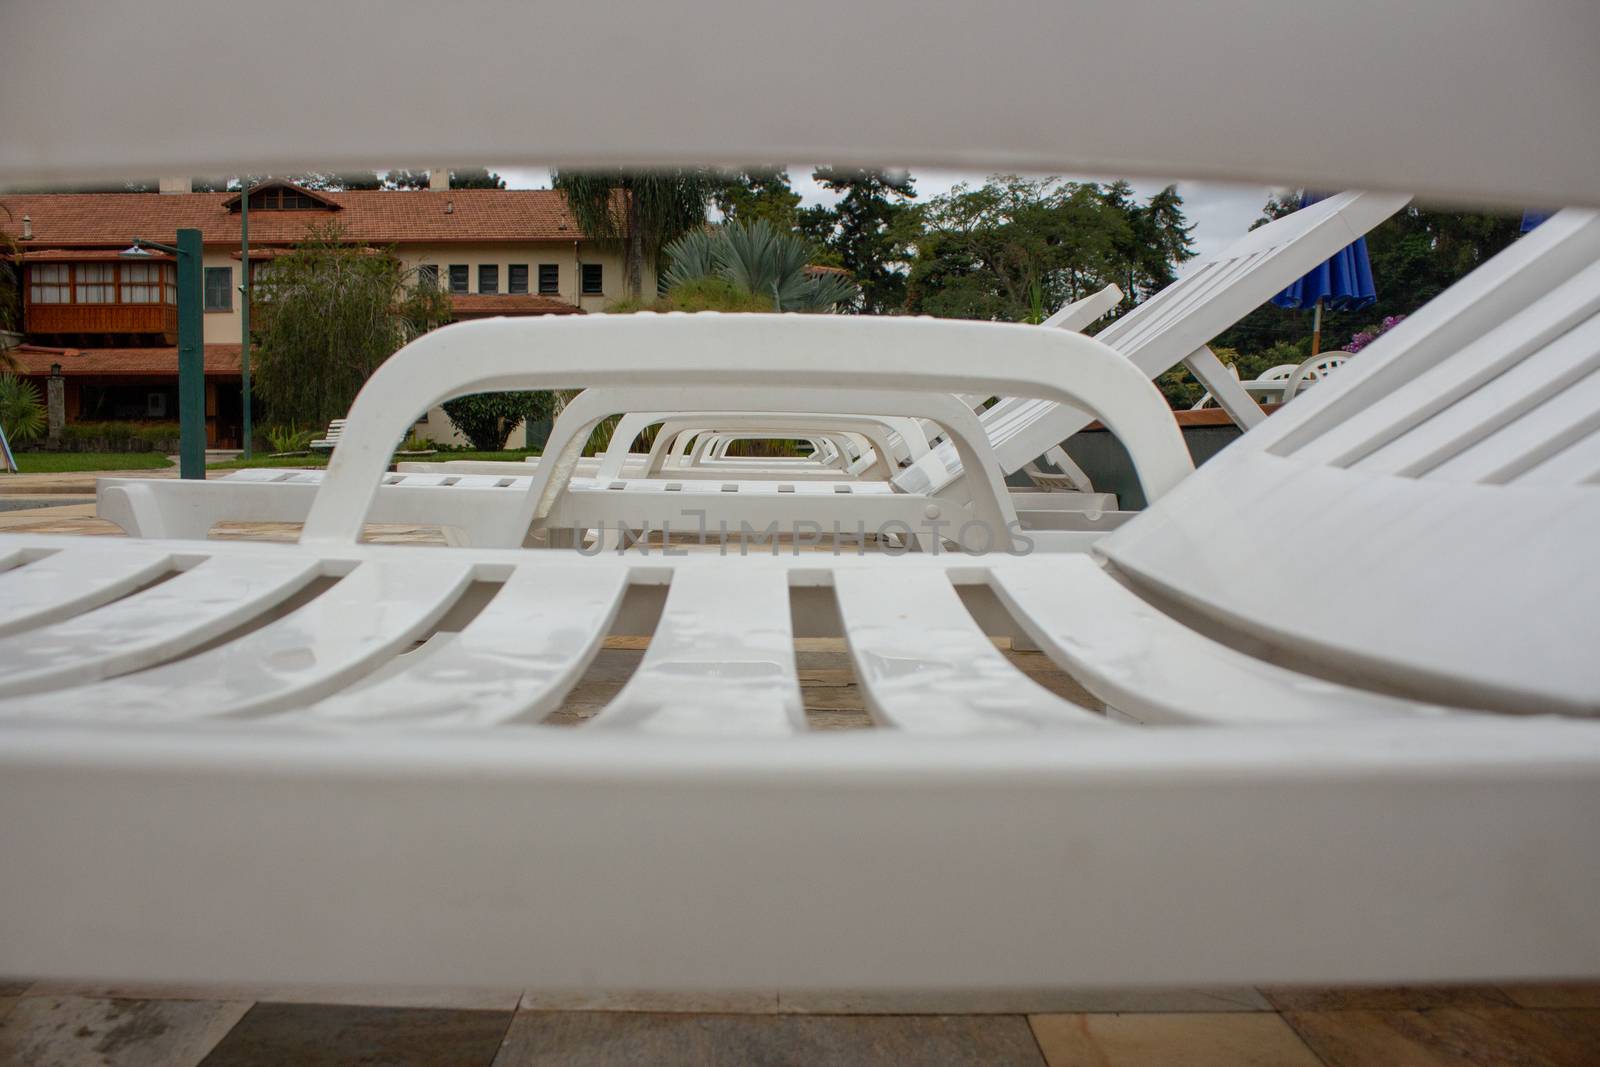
x=428, y=277
x=51, y=284
x=96, y=284
x=282, y=199
x=219, y=289
x=169, y=283
x=517, y=278
x=458, y=277
x=593, y=280
x=141, y=283
x=488, y=278
x=549, y=279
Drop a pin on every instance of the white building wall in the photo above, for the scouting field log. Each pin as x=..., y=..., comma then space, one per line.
x=223, y=327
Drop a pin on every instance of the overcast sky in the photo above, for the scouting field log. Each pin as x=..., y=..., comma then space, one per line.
x=1220, y=213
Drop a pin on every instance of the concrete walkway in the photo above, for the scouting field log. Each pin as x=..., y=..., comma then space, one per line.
x=71, y=483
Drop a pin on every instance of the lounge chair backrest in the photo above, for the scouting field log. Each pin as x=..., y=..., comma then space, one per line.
x=1185, y=316
x=1084, y=311
x=1449, y=470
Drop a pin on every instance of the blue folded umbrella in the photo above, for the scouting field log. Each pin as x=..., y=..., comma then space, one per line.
x=1342, y=283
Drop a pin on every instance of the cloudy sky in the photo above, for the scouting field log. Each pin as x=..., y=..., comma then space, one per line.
x=1220, y=213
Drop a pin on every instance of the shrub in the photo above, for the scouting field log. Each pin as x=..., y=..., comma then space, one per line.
x=487, y=419
x=700, y=294
x=119, y=436
x=1372, y=333
x=290, y=438
x=22, y=413
x=760, y=262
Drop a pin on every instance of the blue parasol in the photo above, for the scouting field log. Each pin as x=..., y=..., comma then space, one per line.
x=1342, y=282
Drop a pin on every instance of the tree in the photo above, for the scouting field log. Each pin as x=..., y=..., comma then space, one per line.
x=487, y=419
x=871, y=231
x=465, y=178
x=325, y=317
x=642, y=210
x=10, y=289
x=22, y=413
x=131, y=185
x=758, y=259
x=323, y=181
x=759, y=193
x=1015, y=249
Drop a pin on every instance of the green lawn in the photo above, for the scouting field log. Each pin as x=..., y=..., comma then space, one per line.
x=50, y=462
x=320, y=459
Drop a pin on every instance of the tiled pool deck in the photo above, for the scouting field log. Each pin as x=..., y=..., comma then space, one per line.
x=55, y=1024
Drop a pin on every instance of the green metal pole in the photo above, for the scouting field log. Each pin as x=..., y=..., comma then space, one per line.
x=191, y=358
x=244, y=308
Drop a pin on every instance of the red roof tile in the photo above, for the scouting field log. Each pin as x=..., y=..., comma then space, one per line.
x=112, y=220
x=474, y=305
x=222, y=361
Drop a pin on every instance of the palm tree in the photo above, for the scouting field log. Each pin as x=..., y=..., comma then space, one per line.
x=645, y=210
x=759, y=259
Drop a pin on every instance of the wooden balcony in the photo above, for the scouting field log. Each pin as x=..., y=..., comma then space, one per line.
x=61, y=319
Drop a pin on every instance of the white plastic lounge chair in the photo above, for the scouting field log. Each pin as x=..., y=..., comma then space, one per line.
x=1280, y=384
x=329, y=441
x=1298, y=846
x=1173, y=326
x=240, y=772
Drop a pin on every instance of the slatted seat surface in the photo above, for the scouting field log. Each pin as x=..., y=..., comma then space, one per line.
x=226, y=636
x=371, y=745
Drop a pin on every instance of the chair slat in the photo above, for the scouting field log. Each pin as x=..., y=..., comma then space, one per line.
x=73, y=580
x=1438, y=383
x=926, y=666
x=151, y=626
x=373, y=612
x=1154, y=669
x=1567, y=419
x=721, y=661
x=516, y=658
x=1578, y=464
x=1532, y=387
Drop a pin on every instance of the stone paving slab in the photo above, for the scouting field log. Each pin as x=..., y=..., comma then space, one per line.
x=1452, y=1037
x=1194, y=1040
x=84, y=1032
x=322, y=1035
x=578, y=1039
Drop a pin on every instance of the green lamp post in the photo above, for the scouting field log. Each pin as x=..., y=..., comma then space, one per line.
x=191, y=348
x=244, y=309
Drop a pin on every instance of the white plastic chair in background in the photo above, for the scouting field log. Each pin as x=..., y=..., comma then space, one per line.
x=1280, y=384
x=1172, y=326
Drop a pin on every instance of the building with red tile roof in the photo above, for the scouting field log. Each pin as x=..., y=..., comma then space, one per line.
x=109, y=323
